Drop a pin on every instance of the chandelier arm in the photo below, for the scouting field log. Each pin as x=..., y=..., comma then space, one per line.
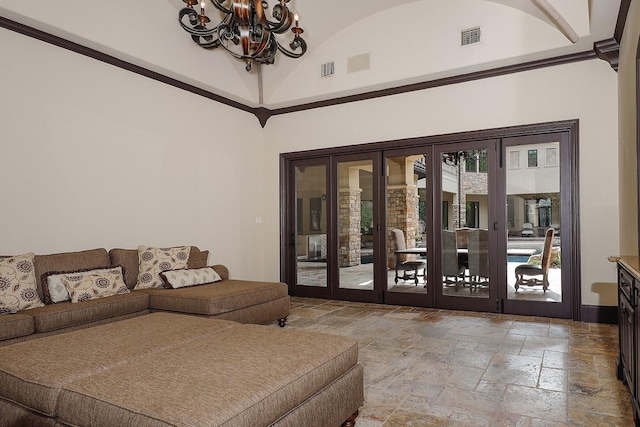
x=219, y=5
x=189, y=13
x=194, y=30
x=297, y=43
x=277, y=27
x=281, y=25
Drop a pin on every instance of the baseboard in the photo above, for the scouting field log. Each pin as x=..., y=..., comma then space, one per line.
x=599, y=314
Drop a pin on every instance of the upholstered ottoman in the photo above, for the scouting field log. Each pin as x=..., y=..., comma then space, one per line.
x=166, y=369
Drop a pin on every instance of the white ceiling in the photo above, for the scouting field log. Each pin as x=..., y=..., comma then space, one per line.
x=407, y=41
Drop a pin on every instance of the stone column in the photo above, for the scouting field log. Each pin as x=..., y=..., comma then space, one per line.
x=349, y=226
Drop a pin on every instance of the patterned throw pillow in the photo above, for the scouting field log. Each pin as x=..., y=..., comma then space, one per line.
x=91, y=285
x=55, y=291
x=18, y=284
x=153, y=261
x=192, y=277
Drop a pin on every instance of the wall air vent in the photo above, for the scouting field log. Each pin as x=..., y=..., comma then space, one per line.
x=470, y=36
x=328, y=69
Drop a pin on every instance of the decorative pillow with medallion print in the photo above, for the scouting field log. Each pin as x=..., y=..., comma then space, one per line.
x=90, y=285
x=153, y=261
x=18, y=284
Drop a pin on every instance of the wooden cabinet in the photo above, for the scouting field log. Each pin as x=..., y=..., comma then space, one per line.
x=629, y=327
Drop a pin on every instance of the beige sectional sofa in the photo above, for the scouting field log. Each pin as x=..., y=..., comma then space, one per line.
x=239, y=300
x=172, y=357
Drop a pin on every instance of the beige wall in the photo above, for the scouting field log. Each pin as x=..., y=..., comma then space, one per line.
x=628, y=170
x=94, y=156
x=586, y=91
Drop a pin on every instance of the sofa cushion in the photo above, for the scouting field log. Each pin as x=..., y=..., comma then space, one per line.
x=56, y=291
x=70, y=261
x=189, y=277
x=215, y=298
x=18, y=285
x=67, y=314
x=15, y=326
x=128, y=259
x=33, y=372
x=247, y=375
x=94, y=284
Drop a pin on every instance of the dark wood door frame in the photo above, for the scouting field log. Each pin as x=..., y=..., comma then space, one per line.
x=568, y=190
x=569, y=127
x=460, y=302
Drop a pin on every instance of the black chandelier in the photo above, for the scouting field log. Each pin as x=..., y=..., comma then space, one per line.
x=244, y=30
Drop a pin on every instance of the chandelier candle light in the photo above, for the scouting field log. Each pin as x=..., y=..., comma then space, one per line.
x=244, y=30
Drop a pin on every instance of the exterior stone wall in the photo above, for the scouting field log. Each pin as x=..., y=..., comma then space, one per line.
x=349, y=227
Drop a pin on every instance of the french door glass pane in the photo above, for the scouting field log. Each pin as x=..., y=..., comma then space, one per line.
x=355, y=224
x=311, y=226
x=533, y=222
x=406, y=224
x=465, y=223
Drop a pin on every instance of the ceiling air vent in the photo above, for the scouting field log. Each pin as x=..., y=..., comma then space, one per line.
x=328, y=69
x=470, y=36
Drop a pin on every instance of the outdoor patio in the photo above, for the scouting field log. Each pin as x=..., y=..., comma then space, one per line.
x=361, y=277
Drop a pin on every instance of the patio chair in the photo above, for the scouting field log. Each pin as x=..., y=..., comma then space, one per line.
x=452, y=269
x=538, y=274
x=478, y=258
x=410, y=267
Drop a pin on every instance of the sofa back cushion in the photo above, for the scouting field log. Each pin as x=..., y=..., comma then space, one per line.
x=69, y=261
x=128, y=259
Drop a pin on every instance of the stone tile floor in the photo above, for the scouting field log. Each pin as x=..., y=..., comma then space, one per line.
x=430, y=367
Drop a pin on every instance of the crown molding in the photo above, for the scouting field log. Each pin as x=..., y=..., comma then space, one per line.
x=605, y=49
x=609, y=51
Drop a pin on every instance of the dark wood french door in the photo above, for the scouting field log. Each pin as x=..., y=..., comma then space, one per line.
x=444, y=222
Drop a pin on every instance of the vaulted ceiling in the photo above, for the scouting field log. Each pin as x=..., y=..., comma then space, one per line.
x=405, y=41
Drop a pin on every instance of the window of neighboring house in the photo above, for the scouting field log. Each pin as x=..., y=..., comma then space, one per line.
x=476, y=162
x=532, y=156
x=514, y=160
x=445, y=215
x=552, y=157
x=473, y=215
x=544, y=212
x=483, y=164
x=470, y=164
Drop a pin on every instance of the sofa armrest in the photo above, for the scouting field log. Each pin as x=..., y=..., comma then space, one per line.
x=222, y=271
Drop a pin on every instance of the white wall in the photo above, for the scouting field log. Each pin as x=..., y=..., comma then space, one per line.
x=586, y=91
x=628, y=168
x=95, y=156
